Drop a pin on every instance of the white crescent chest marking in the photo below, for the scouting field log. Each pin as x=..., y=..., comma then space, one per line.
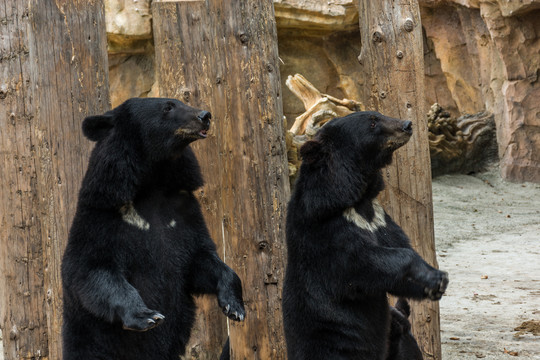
x=172, y=224
x=132, y=217
x=377, y=222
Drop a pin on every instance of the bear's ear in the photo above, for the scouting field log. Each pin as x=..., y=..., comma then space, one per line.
x=312, y=151
x=97, y=127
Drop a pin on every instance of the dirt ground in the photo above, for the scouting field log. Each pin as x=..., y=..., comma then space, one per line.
x=488, y=240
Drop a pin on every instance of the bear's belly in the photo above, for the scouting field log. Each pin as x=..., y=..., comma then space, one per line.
x=352, y=330
x=168, y=239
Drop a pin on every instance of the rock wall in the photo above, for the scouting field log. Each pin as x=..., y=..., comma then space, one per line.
x=131, y=50
x=480, y=55
x=517, y=39
x=489, y=52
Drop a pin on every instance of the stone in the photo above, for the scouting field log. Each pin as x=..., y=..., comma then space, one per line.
x=488, y=52
x=336, y=15
x=520, y=144
x=128, y=24
x=517, y=40
x=435, y=81
x=131, y=76
x=457, y=53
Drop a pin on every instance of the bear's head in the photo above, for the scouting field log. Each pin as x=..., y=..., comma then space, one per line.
x=366, y=137
x=342, y=163
x=161, y=127
x=142, y=141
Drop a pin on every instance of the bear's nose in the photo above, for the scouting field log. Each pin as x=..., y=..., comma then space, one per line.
x=407, y=126
x=205, y=116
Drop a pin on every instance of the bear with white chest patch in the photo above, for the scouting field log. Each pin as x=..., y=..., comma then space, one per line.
x=139, y=249
x=345, y=254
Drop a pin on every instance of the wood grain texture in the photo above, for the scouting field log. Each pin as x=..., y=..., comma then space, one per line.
x=179, y=38
x=392, y=64
x=53, y=72
x=222, y=56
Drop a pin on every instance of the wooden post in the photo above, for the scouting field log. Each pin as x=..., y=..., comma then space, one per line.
x=222, y=56
x=53, y=72
x=392, y=63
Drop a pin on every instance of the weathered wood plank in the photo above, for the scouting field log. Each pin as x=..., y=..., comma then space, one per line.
x=53, y=67
x=222, y=56
x=392, y=64
x=192, y=84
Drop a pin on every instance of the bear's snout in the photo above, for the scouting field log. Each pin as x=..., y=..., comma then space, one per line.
x=205, y=117
x=407, y=126
x=398, y=133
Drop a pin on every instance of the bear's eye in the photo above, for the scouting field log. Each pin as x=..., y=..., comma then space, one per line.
x=373, y=122
x=168, y=107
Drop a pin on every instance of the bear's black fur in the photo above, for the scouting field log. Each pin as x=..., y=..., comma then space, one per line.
x=344, y=252
x=138, y=248
x=225, y=352
x=401, y=343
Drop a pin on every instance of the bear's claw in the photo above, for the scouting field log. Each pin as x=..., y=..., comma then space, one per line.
x=437, y=292
x=143, y=320
x=237, y=313
x=229, y=297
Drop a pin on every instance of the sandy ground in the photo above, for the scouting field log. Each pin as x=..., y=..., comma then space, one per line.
x=488, y=240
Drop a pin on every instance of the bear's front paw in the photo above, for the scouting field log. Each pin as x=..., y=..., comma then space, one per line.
x=232, y=306
x=142, y=320
x=437, y=286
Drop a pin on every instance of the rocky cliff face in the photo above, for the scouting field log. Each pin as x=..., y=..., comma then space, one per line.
x=480, y=55
x=131, y=53
x=489, y=52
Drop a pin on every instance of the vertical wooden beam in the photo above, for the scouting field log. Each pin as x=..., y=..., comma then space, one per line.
x=222, y=56
x=393, y=67
x=53, y=72
x=186, y=51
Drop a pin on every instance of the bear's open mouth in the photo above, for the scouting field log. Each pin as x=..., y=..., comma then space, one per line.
x=396, y=142
x=192, y=134
x=203, y=133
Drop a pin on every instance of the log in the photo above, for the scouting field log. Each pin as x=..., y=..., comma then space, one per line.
x=391, y=61
x=320, y=108
x=53, y=72
x=463, y=145
x=222, y=56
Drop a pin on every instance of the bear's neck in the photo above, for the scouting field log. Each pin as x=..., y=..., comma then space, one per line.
x=116, y=176
x=178, y=173
x=374, y=186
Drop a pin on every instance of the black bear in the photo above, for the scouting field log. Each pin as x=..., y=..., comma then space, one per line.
x=138, y=248
x=344, y=252
x=401, y=343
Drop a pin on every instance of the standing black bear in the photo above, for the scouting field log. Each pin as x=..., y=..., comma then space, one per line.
x=344, y=252
x=139, y=248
